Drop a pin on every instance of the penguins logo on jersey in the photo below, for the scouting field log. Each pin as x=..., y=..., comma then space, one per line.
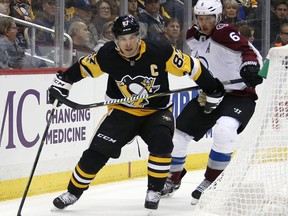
x=138, y=86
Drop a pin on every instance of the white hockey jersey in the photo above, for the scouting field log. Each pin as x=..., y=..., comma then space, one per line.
x=223, y=53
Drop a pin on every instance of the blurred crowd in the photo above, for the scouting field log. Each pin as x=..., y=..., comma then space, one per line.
x=89, y=24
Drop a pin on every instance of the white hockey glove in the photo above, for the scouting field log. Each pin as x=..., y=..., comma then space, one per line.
x=58, y=84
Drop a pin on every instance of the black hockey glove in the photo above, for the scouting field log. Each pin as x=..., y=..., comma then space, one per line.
x=211, y=101
x=60, y=85
x=249, y=72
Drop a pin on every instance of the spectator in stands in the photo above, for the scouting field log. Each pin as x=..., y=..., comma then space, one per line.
x=11, y=54
x=141, y=5
x=103, y=15
x=80, y=35
x=47, y=19
x=106, y=35
x=172, y=32
x=249, y=3
x=162, y=11
x=279, y=15
x=175, y=8
x=21, y=9
x=115, y=7
x=5, y=7
x=153, y=20
x=84, y=13
x=37, y=7
x=248, y=9
x=45, y=40
x=247, y=31
x=282, y=37
x=133, y=8
x=69, y=9
x=231, y=11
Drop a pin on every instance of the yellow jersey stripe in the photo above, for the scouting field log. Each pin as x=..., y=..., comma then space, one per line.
x=160, y=160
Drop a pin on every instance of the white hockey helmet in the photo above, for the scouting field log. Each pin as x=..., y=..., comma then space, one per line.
x=209, y=7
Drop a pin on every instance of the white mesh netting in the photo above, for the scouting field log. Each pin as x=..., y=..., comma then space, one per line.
x=256, y=181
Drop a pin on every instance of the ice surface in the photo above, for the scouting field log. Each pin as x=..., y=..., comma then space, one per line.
x=125, y=198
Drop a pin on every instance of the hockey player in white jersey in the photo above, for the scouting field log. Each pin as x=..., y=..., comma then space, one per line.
x=228, y=56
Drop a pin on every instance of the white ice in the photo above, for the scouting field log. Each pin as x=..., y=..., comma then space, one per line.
x=125, y=198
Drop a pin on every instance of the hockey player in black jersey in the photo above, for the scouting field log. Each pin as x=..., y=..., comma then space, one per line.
x=135, y=67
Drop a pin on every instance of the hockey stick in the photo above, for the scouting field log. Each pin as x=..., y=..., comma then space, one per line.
x=37, y=158
x=74, y=105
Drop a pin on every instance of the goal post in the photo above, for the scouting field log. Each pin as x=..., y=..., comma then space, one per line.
x=256, y=181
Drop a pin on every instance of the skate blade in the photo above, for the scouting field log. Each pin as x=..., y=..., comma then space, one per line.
x=194, y=201
x=168, y=195
x=55, y=209
x=151, y=212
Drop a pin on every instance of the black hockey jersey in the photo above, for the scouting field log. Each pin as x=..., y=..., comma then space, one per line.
x=143, y=74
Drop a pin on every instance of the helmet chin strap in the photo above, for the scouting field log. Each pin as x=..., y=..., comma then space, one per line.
x=134, y=54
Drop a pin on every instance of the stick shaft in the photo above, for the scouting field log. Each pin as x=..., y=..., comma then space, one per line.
x=75, y=105
x=36, y=159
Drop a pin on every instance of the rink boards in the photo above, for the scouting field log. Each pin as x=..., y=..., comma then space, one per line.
x=24, y=110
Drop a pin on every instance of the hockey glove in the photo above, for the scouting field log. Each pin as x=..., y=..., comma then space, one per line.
x=249, y=72
x=60, y=85
x=201, y=98
x=214, y=99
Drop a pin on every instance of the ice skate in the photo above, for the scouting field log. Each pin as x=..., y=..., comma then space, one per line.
x=169, y=188
x=196, y=194
x=171, y=185
x=152, y=201
x=64, y=200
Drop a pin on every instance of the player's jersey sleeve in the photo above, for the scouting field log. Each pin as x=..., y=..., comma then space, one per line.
x=180, y=64
x=89, y=66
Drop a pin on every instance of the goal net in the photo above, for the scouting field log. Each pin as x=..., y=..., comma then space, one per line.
x=256, y=181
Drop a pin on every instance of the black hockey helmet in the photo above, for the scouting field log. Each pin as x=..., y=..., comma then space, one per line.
x=126, y=24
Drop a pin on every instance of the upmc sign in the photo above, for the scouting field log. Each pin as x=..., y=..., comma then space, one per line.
x=13, y=115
